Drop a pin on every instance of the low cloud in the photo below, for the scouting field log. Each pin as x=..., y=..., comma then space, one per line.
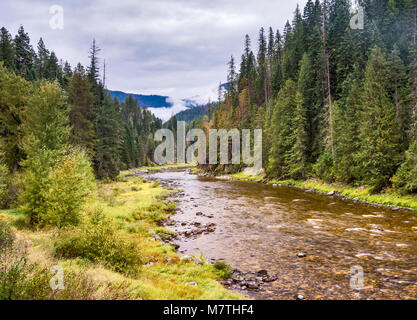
x=166, y=113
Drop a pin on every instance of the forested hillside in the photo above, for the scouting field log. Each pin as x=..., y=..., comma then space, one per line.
x=334, y=102
x=150, y=101
x=114, y=135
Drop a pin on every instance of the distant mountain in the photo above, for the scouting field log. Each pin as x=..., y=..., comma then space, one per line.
x=192, y=114
x=151, y=101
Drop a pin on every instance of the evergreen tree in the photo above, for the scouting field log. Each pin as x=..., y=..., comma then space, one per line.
x=400, y=94
x=261, y=68
x=379, y=153
x=107, y=149
x=306, y=111
x=406, y=176
x=52, y=69
x=347, y=128
x=281, y=129
x=14, y=94
x=93, y=69
x=276, y=70
x=24, y=55
x=81, y=111
x=6, y=49
x=41, y=60
x=297, y=161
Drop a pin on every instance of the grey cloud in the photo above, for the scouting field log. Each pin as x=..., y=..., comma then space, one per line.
x=178, y=48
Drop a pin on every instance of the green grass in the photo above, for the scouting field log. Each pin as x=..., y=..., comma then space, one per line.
x=242, y=176
x=136, y=207
x=159, y=168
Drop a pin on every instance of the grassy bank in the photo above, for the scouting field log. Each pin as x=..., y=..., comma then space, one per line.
x=113, y=254
x=388, y=198
x=160, y=168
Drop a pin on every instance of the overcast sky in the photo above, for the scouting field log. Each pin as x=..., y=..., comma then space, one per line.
x=177, y=48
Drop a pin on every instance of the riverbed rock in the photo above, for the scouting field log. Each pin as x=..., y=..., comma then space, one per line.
x=262, y=273
x=155, y=236
x=301, y=255
x=199, y=214
x=331, y=193
x=191, y=259
x=270, y=278
x=300, y=297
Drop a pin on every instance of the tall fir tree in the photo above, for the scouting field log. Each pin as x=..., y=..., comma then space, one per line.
x=109, y=142
x=24, y=55
x=81, y=111
x=379, y=152
x=7, y=51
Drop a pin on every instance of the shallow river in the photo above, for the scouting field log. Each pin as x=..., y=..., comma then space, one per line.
x=265, y=227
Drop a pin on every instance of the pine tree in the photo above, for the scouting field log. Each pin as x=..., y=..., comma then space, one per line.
x=41, y=60
x=307, y=111
x=413, y=74
x=297, y=159
x=14, y=94
x=6, y=49
x=24, y=55
x=107, y=149
x=66, y=74
x=81, y=111
x=406, y=176
x=347, y=129
x=276, y=71
x=379, y=154
x=93, y=69
x=261, y=68
x=52, y=69
x=400, y=94
x=281, y=129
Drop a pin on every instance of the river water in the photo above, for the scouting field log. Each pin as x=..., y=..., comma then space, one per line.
x=265, y=227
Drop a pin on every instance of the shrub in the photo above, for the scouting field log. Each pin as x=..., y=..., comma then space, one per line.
x=99, y=241
x=406, y=177
x=21, y=280
x=155, y=212
x=223, y=269
x=55, y=196
x=7, y=237
x=70, y=182
x=323, y=168
x=4, y=185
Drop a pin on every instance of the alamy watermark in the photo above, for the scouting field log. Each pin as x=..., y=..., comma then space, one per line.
x=57, y=19
x=357, y=21
x=57, y=281
x=191, y=146
x=356, y=278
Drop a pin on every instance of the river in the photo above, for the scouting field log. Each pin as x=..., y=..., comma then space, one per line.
x=310, y=241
